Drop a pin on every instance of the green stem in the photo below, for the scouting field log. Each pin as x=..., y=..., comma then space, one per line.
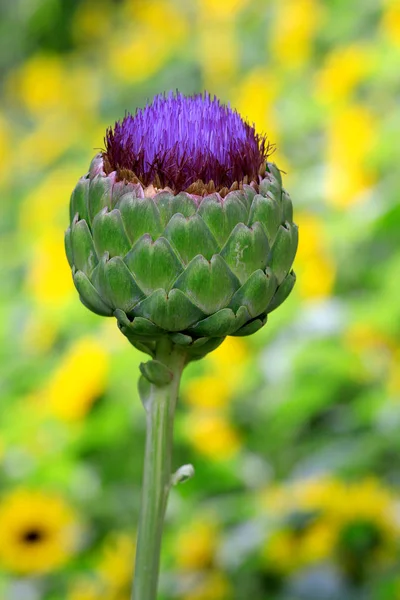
x=160, y=408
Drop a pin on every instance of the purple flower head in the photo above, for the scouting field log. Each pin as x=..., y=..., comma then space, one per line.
x=185, y=143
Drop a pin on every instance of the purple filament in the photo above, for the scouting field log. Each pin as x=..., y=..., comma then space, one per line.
x=177, y=140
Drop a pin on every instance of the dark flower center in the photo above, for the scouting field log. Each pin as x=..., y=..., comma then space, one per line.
x=360, y=538
x=185, y=142
x=33, y=536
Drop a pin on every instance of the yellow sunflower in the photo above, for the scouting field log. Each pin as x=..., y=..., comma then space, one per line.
x=38, y=532
x=355, y=524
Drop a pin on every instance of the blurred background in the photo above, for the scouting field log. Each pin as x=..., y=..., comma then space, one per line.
x=294, y=432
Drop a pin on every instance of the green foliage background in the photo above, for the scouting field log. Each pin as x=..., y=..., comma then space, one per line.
x=294, y=432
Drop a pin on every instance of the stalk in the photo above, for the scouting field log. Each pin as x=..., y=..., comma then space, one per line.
x=160, y=405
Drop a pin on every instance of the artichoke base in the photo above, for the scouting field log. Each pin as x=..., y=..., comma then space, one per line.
x=141, y=334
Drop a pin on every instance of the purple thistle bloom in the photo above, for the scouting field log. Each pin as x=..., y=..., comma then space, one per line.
x=177, y=141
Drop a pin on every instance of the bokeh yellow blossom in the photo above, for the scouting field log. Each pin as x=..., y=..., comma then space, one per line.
x=78, y=381
x=209, y=391
x=343, y=70
x=44, y=205
x=225, y=368
x=131, y=56
x=233, y=353
x=390, y=23
x=195, y=544
x=218, y=50
x=292, y=35
x=112, y=576
x=218, y=54
x=44, y=84
x=115, y=567
x=328, y=518
x=287, y=550
x=255, y=100
x=222, y=10
x=38, y=532
x=212, y=435
x=351, y=136
x=39, y=83
x=49, y=279
x=315, y=267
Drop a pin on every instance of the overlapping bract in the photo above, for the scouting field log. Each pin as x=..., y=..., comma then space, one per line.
x=194, y=268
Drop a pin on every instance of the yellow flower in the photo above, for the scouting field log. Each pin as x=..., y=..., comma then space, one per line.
x=38, y=532
x=78, y=381
x=222, y=10
x=217, y=48
x=218, y=53
x=39, y=83
x=316, y=278
x=211, y=586
x=113, y=576
x=347, y=185
x=44, y=206
x=225, y=370
x=287, y=550
x=47, y=85
x=231, y=354
x=195, y=545
x=351, y=137
x=209, y=391
x=212, y=435
x=390, y=23
x=344, y=501
x=49, y=279
x=314, y=264
x=342, y=72
x=314, y=494
x=256, y=102
x=139, y=52
x=366, y=499
x=293, y=31
x=133, y=59
x=334, y=519
x=116, y=565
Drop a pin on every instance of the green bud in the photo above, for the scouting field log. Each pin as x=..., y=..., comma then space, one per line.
x=191, y=268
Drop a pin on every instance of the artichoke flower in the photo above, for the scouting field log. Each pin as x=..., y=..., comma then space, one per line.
x=181, y=228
